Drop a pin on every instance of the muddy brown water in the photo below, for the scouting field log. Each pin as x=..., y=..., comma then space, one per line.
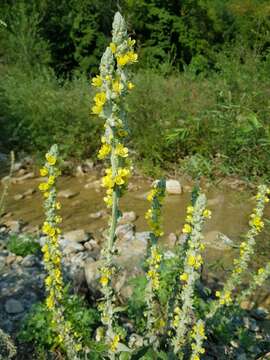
x=230, y=212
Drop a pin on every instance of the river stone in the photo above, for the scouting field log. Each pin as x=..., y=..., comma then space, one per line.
x=143, y=236
x=13, y=306
x=216, y=240
x=20, y=179
x=131, y=254
x=79, y=236
x=125, y=232
x=29, y=260
x=128, y=217
x=173, y=187
x=18, y=197
x=94, y=184
x=13, y=225
x=69, y=247
x=98, y=214
x=67, y=194
x=10, y=259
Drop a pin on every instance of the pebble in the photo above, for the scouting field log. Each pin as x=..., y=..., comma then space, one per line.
x=67, y=194
x=79, y=236
x=13, y=306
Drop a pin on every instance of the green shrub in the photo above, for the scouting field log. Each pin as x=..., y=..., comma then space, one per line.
x=38, y=329
x=22, y=245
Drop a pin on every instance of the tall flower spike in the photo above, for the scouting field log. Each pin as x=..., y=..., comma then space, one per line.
x=113, y=85
x=192, y=264
x=256, y=224
x=153, y=215
x=52, y=256
x=198, y=335
x=256, y=281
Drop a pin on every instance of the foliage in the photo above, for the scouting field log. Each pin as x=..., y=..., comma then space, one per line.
x=38, y=330
x=38, y=110
x=22, y=245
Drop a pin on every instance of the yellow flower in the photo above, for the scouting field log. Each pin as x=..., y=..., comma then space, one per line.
x=191, y=260
x=43, y=186
x=261, y=271
x=132, y=56
x=130, y=85
x=96, y=109
x=207, y=214
x=51, y=180
x=121, y=151
x=104, y=151
x=57, y=205
x=50, y=159
x=113, y=47
x=97, y=81
x=184, y=277
x=117, y=86
x=50, y=302
x=46, y=194
x=257, y=222
x=114, y=343
x=122, y=60
x=43, y=171
x=190, y=209
x=100, y=99
x=187, y=229
x=131, y=42
x=104, y=280
x=218, y=294
x=58, y=219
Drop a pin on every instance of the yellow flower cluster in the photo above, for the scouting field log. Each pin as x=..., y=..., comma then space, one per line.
x=153, y=215
x=198, y=334
x=51, y=251
x=52, y=257
x=246, y=250
x=224, y=297
x=110, y=182
x=153, y=271
x=100, y=100
x=114, y=343
x=105, y=275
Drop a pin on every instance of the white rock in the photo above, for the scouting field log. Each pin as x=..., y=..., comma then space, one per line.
x=173, y=187
x=128, y=217
x=125, y=232
x=79, y=236
x=69, y=247
x=67, y=194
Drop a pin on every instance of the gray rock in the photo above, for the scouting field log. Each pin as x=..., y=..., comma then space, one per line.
x=79, y=236
x=91, y=245
x=67, y=194
x=128, y=217
x=69, y=247
x=125, y=232
x=142, y=236
x=29, y=261
x=98, y=214
x=13, y=225
x=95, y=184
x=173, y=187
x=10, y=259
x=22, y=178
x=216, y=240
x=13, y=306
x=18, y=197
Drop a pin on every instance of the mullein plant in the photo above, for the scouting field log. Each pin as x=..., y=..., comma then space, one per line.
x=188, y=275
x=153, y=314
x=52, y=257
x=113, y=85
x=225, y=296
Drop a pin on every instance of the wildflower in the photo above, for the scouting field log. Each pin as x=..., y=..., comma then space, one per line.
x=104, y=151
x=51, y=159
x=43, y=171
x=115, y=78
x=113, y=47
x=121, y=151
x=207, y=214
x=187, y=229
x=130, y=86
x=192, y=262
x=43, y=186
x=97, y=81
